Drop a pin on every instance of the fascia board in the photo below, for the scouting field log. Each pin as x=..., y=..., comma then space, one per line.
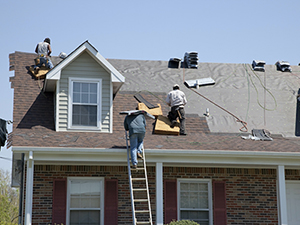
x=115, y=75
x=167, y=157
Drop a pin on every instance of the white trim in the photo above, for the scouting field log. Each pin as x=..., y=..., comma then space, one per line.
x=159, y=194
x=178, y=158
x=55, y=73
x=287, y=182
x=56, y=119
x=281, y=196
x=111, y=108
x=99, y=102
x=196, y=180
x=29, y=189
x=101, y=179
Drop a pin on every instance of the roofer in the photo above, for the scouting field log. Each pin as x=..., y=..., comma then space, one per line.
x=177, y=100
x=136, y=125
x=43, y=49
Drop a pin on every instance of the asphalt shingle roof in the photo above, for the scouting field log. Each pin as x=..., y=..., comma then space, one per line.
x=33, y=116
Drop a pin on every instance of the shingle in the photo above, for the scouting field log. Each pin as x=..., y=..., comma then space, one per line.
x=33, y=125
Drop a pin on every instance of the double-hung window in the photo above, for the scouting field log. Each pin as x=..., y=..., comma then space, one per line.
x=84, y=104
x=85, y=201
x=195, y=200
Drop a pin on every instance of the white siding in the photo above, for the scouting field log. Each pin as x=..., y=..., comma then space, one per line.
x=84, y=66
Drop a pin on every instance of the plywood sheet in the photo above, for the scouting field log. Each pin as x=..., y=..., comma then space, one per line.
x=155, y=111
x=42, y=72
x=162, y=126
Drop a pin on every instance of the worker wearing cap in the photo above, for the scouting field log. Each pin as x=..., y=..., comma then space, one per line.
x=177, y=100
x=43, y=49
x=136, y=125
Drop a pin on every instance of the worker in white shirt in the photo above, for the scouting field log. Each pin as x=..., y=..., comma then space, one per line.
x=177, y=100
x=43, y=49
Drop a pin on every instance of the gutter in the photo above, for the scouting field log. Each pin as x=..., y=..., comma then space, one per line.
x=195, y=158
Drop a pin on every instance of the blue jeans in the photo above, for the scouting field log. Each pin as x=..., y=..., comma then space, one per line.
x=43, y=60
x=136, y=146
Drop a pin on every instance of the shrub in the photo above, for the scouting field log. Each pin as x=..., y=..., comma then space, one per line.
x=183, y=222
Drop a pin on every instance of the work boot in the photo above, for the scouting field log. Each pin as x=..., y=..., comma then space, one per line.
x=36, y=70
x=173, y=124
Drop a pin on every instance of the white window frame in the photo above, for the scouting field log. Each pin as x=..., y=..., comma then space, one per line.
x=70, y=103
x=101, y=179
x=210, y=205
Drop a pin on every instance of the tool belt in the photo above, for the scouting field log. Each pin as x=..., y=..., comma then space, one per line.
x=37, y=59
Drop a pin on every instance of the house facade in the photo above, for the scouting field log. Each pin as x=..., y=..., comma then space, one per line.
x=69, y=133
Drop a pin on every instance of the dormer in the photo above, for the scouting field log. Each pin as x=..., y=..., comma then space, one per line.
x=84, y=85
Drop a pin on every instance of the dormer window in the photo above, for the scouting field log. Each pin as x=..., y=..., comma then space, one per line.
x=84, y=85
x=84, y=104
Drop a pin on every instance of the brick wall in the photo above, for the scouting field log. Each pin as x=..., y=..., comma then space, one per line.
x=251, y=193
x=43, y=188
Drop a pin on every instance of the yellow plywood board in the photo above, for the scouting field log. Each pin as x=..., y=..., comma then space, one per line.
x=155, y=111
x=41, y=74
x=162, y=126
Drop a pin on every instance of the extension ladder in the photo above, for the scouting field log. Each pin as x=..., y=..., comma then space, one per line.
x=139, y=190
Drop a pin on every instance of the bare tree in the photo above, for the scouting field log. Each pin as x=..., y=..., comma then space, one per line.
x=9, y=200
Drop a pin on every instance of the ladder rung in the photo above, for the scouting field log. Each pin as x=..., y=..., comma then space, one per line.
x=138, y=179
x=138, y=168
x=142, y=211
x=141, y=200
x=140, y=189
x=143, y=222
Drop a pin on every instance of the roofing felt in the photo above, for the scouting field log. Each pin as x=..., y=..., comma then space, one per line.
x=265, y=100
x=34, y=110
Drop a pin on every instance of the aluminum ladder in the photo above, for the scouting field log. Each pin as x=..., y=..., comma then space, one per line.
x=139, y=190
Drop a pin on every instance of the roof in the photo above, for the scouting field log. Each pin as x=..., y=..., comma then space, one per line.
x=265, y=100
x=34, y=118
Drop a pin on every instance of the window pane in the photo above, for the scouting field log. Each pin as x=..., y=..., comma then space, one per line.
x=84, y=115
x=84, y=217
x=194, y=202
x=203, y=187
x=93, y=98
x=84, y=98
x=184, y=200
x=75, y=202
x=194, y=187
x=76, y=97
x=184, y=186
x=76, y=87
x=194, y=215
x=85, y=87
x=203, y=200
x=85, y=92
x=93, y=88
x=85, y=194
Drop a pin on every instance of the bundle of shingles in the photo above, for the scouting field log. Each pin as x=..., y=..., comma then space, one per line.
x=162, y=123
x=259, y=135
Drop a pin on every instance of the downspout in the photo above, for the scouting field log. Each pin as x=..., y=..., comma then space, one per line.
x=21, y=191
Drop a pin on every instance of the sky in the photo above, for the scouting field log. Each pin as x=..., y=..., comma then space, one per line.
x=231, y=31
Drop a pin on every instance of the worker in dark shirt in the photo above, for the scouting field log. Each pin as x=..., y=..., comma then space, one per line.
x=136, y=125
